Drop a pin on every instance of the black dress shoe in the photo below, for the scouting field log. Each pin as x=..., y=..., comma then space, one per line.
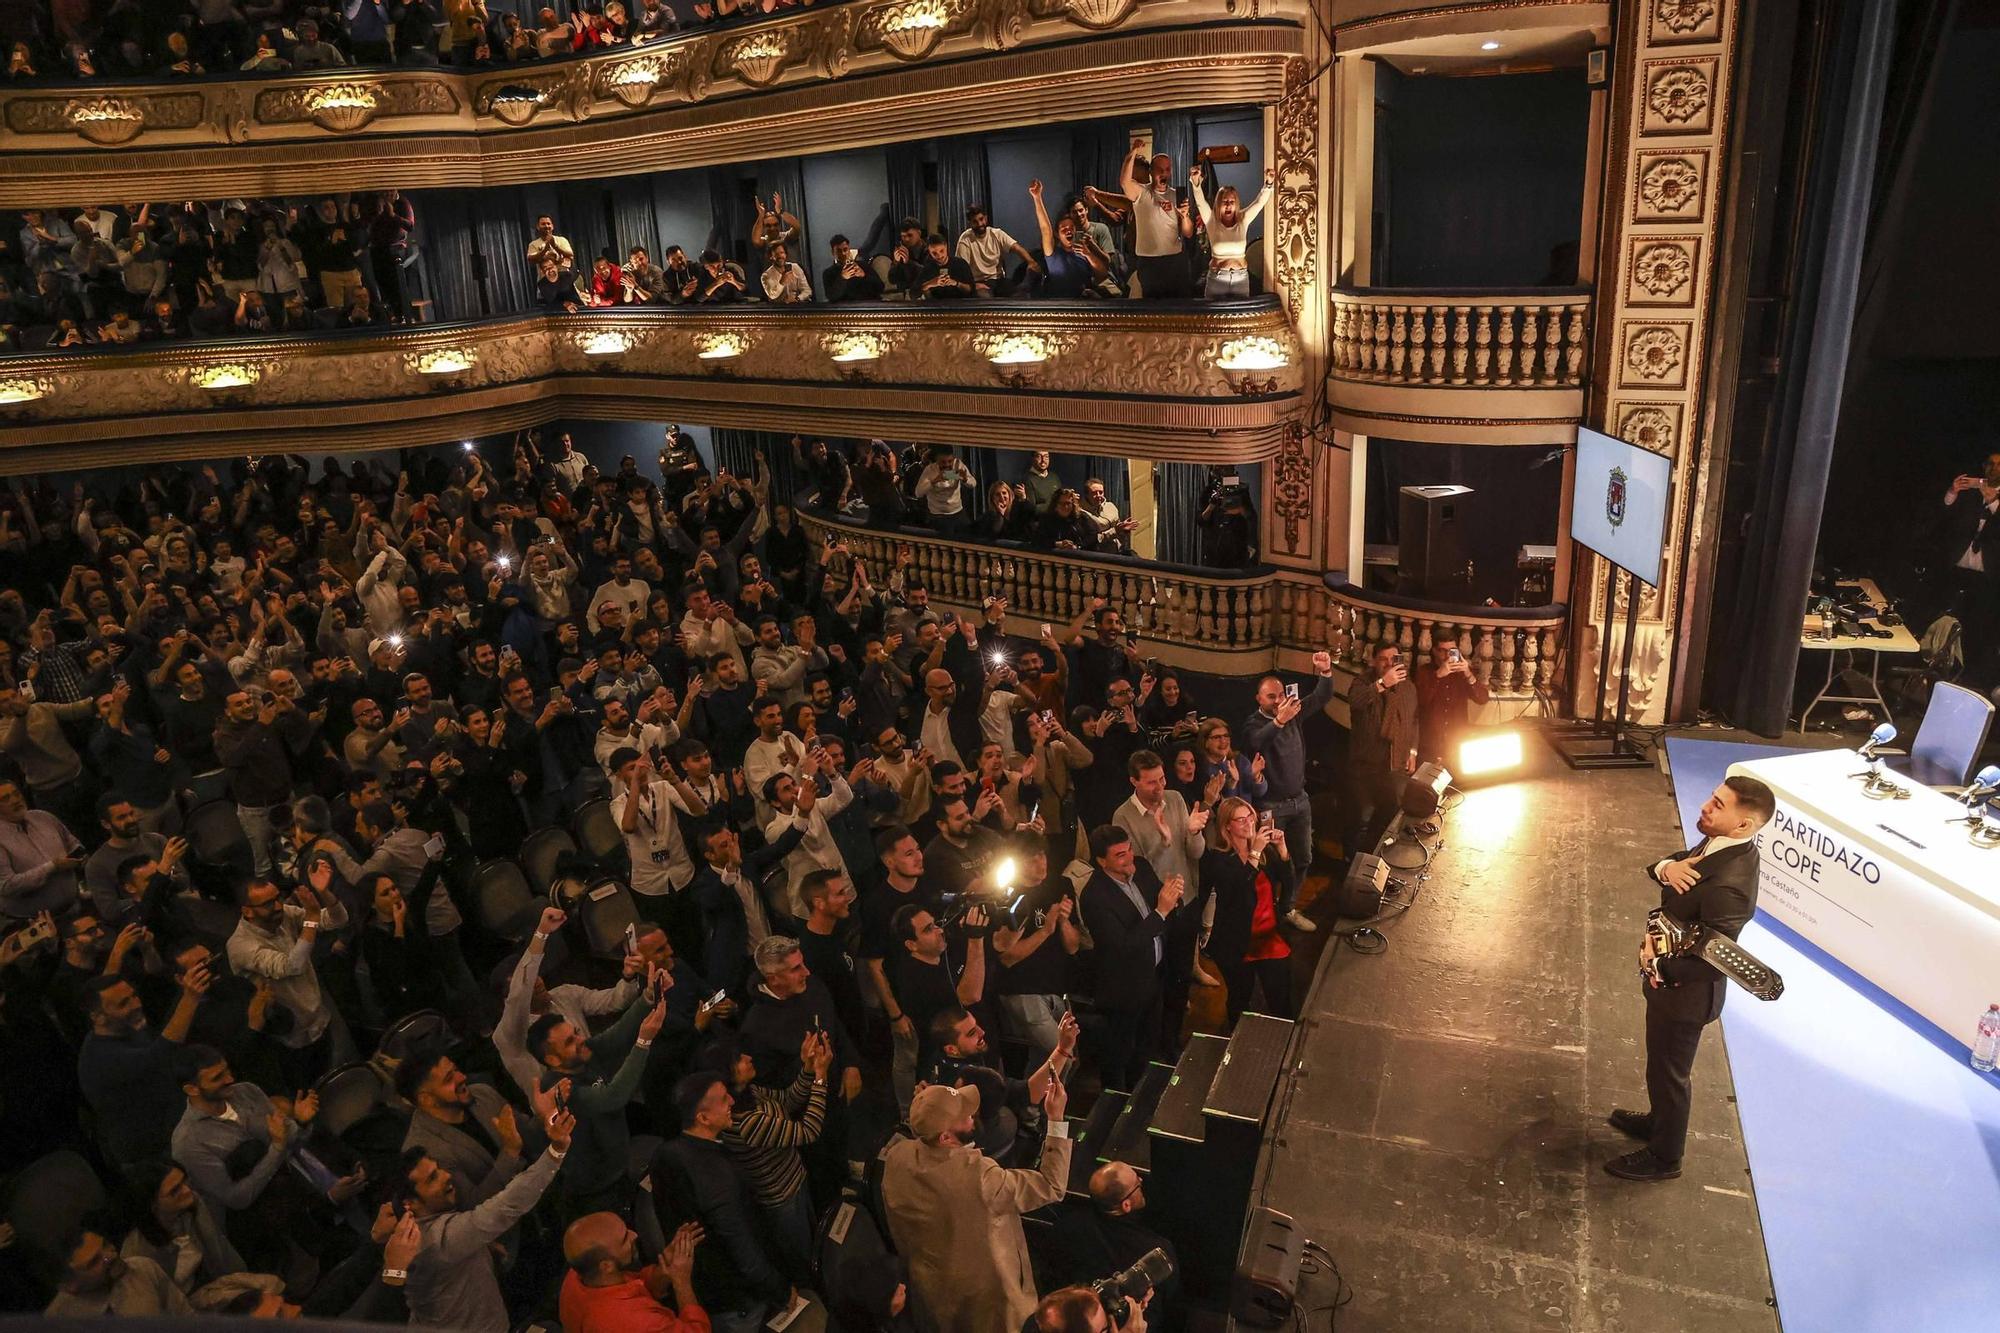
x=1632, y=1124
x=1642, y=1165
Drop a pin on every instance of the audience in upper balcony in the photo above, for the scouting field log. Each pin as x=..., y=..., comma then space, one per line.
x=984, y=248
x=784, y=281
x=1162, y=222
x=849, y=277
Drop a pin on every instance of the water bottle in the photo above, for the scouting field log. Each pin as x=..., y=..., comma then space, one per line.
x=1986, y=1046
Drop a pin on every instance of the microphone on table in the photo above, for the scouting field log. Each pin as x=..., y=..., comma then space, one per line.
x=1984, y=784
x=1878, y=738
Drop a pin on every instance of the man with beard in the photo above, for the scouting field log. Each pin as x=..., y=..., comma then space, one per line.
x=961, y=1057
x=984, y=248
x=606, y=1289
x=602, y=1074
x=468, y=1128
x=96, y=1281
x=127, y=1070
x=1164, y=226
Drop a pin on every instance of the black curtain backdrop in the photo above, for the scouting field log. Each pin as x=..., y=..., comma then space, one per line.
x=962, y=182
x=1782, y=526
x=730, y=216
x=1096, y=151
x=737, y=449
x=633, y=219
x=906, y=185
x=1177, y=491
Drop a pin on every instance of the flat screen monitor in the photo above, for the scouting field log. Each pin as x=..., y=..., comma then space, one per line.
x=1619, y=508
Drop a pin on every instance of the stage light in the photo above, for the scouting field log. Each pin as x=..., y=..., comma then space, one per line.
x=1489, y=46
x=1003, y=874
x=1485, y=754
x=1425, y=789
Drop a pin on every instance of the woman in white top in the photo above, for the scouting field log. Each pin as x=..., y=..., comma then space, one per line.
x=1228, y=227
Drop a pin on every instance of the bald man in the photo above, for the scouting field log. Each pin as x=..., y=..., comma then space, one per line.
x=1109, y=1233
x=606, y=1292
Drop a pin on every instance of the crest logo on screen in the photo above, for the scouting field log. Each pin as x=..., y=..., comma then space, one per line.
x=1614, y=497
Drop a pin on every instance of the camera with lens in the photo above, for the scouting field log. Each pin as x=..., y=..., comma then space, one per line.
x=1001, y=899
x=1117, y=1292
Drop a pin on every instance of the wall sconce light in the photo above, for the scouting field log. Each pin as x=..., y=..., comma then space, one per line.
x=719, y=351
x=913, y=29
x=759, y=57
x=856, y=356
x=634, y=81
x=1018, y=359
x=517, y=104
x=1251, y=365
x=341, y=107
x=106, y=120
x=606, y=348
x=229, y=381
x=16, y=394
x=445, y=368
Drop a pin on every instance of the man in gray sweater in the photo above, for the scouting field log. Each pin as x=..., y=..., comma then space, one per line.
x=451, y=1283
x=1275, y=731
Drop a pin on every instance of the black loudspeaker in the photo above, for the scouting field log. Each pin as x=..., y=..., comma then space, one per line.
x=1424, y=791
x=1361, y=892
x=1432, y=560
x=1267, y=1280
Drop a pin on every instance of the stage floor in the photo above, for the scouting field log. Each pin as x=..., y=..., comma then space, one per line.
x=1446, y=1139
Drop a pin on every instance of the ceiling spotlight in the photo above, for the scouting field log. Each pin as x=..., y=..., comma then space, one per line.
x=1489, y=46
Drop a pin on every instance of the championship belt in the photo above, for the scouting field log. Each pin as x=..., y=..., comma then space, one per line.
x=1672, y=938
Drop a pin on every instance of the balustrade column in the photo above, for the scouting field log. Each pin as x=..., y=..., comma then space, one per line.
x=1531, y=332
x=1573, y=347
x=1461, y=339
x=1506, y=375
x=1552, y=346
x=1482, y=342
x=1399, y=335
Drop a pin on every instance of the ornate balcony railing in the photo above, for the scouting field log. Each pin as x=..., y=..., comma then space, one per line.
x=1191, y=618
x=1505, y=341
x=1514, y=652
x=1185, y=381
x=733, y=93
x=1483, y=367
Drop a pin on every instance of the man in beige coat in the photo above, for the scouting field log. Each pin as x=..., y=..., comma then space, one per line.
x=955, y=1214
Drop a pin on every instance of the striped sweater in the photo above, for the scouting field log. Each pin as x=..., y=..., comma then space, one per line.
x=765, y=1136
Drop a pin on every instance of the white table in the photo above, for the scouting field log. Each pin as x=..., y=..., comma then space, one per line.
x=1892, y=888
x=1900, y=640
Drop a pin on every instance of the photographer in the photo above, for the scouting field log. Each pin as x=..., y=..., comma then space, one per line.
x=1036, y=950
x=920, y=977
x=965, y=1059
x=1078, y=1310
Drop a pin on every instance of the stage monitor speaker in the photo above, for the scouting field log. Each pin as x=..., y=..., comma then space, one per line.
x=1424, y=791
x=1267, y=1280
x=1432, y=559
x=1361, y=892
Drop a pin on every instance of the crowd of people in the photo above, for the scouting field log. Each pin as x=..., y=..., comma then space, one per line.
x=933, y=487
x=147, y=273
x=1150, y=238
x=267, y=729
x=66, y=42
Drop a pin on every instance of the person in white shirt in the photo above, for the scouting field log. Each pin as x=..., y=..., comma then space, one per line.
x=619, y=732
x=785, y=282
x=548, y=244
x=622, y=588
x=796, y=803
x=568, y=465
x=984, y=248
x=710, y=627
x=774, y=751
x=1161, y=222
x=648, y=806
x=1113, y=532
x=941, y=486
x=1228, y=227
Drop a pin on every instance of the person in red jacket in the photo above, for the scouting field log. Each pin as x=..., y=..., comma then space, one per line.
x=1446, y=692
x=604, y=1292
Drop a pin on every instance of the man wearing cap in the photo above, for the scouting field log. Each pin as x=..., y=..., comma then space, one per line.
x=955, y=1214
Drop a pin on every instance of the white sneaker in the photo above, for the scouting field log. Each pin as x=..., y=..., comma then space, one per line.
x=1298, y=920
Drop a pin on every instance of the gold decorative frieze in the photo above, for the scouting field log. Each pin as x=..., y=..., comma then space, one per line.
x=1662, y=270
x=634, y=81
x=105, y=119
x=1098, y=15
x=1655, y=354
x=912, y=29
x=346, y=105
x=764, y=53
x=1296, y=211
x=1652, y=426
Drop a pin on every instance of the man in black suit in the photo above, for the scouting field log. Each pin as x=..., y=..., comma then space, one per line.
x=1712, y=885
x=727, y=893
x=1126, y=909
x=1969, y=562
x=945, y=719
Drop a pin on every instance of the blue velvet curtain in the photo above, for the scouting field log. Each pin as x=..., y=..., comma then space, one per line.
x=730, y=216
x=962, y=181
x=1096, y=151
x=580, y=215
x=1173, y=134
x=737, y=450
x=502, y=221
x=1177, y=492
x=633, y=217
x=906, y=184
x=447, y=247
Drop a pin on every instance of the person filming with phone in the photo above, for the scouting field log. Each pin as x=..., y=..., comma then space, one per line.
x=1446, y=692
x=1382, y=744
